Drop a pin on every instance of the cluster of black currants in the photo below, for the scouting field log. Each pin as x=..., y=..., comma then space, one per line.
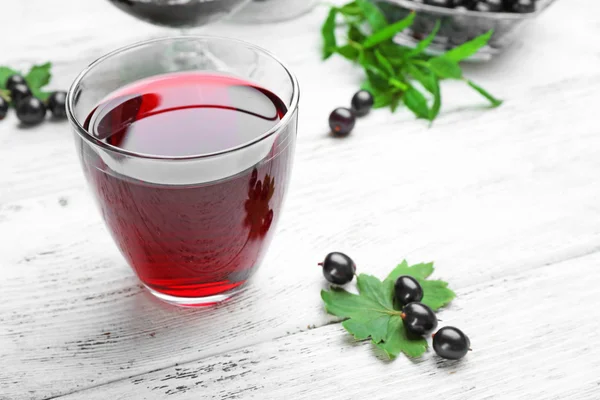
x=419, y=320
x=342, y=119
x=512, y=6
x=31, y=110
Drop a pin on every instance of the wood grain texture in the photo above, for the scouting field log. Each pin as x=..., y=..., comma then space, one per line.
x=486, y=194
x=525, y=345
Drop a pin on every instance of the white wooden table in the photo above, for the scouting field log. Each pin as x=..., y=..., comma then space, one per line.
x=507, y=203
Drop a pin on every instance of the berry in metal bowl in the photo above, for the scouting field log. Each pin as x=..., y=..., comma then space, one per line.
x=463, y=20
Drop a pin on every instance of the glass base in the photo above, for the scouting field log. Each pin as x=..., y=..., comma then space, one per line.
x=196, y=301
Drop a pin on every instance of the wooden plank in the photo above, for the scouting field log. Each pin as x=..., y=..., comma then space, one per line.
x=534, y=335
x=531, y=68
x=498, y=205
x=485, y=194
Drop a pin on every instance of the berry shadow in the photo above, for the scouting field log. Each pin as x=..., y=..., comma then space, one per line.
x=362, y=345
x=380, y=354
x=55, y=120
x=349, y=287
x=331, y=135
x=442, y=363
x=27, y=127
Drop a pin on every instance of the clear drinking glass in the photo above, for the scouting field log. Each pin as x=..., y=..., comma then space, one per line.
x=195, y=227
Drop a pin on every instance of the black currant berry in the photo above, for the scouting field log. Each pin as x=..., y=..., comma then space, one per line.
x=407, y=290
x=489, y=6
x=508, y=5
x=19, y=92
x=31, y=111
x=441, y=3
x=517, y=6
x=3, y=108
x=451, y=343
x=338, y=268
x=465, y=4
x=341, y=121
x=524, y=6
x=362, y=102
x=13, y=80
x=419, y=319
x=57, y=104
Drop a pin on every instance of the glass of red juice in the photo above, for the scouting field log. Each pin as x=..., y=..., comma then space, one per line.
x=189, y=167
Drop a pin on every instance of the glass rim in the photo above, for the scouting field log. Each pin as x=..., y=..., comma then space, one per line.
x=85, y=135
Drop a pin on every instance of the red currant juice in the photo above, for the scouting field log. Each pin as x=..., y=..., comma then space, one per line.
x=193, y=240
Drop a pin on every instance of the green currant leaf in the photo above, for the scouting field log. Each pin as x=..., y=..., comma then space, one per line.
x=351, y=10
x=436, y=294
x=40, y=94
x=5, y=94
x=431, y=83
x=384, y=63
x=445, y=68
x=418, y=271
x=355, y=34
x=39, y=76
x=397, y=84
x=398, y=342
x=6, y=72
x=469, y=48
x=393, y=70
x=372, y=14
x=437, y=99
x=371, y=313
x=328, y=33
x=368, y=60
x=395, y=102
x=372, y=326
x=495, y=102
x=348, y=305
x=425, y=43
x=381, y=98
x=393, y=52
x=374, y=289
x=389, y=31
x=377, y=79
x=349, y=52
x=426, y=79
x=416, y=102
